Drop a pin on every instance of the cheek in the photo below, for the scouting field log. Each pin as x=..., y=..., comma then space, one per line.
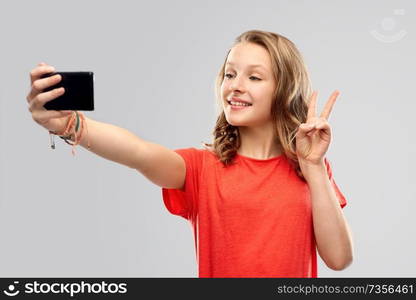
x=264, y=98
x=225, y=92
x=262, y=94
x=224, y=87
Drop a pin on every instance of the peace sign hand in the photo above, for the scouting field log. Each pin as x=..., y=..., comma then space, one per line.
x=314, y=136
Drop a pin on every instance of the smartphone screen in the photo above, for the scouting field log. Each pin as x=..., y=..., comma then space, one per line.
x=79, y=91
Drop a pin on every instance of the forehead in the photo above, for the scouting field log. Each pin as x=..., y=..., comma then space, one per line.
x=249, y=55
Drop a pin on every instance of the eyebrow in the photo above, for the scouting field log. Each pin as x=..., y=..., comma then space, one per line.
x=252, y=66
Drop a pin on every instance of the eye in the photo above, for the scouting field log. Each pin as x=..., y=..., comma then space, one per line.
x=228, y=75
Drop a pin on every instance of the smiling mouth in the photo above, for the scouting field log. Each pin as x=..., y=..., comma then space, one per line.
x=238, y=104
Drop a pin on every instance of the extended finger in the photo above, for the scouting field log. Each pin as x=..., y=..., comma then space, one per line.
x=312, y=106
x=329, y=104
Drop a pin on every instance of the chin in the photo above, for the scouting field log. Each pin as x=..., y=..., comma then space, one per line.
x=235, y=123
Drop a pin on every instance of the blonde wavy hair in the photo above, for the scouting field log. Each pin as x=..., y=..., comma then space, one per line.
x=290, y=98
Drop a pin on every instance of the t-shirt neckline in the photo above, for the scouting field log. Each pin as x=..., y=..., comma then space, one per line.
x=261, y=160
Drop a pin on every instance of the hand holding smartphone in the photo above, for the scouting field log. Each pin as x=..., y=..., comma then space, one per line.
x=79, y=91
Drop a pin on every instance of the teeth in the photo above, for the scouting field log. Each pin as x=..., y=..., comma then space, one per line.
x=239, y=103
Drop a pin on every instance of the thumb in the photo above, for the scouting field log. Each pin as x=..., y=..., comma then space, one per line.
x=304, y=129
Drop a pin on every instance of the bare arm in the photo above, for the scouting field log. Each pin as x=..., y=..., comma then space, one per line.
x=332, y=233
x=160, y=165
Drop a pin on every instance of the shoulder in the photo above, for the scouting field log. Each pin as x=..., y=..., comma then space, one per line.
x=190, y=151
x=198, y=151
x=195, y=154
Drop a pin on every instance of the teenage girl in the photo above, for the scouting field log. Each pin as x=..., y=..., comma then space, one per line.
x=261, y=198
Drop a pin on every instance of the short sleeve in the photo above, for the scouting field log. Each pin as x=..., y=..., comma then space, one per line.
x=183, y=202
x=340, y=196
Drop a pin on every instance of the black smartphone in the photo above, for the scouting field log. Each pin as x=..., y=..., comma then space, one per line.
x=79, y=91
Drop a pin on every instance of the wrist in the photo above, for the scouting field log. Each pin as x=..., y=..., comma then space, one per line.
x=65, y=126
x=311, y=164
x=73, y=131
x=312, y=170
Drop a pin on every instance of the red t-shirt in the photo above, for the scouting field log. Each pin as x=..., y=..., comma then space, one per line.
x=250, y=219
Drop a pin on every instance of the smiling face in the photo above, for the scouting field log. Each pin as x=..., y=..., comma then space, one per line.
x=249, y=77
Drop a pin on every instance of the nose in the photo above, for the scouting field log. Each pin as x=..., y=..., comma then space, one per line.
x=237, y=84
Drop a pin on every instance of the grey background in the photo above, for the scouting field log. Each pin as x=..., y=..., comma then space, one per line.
x=155, y=66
